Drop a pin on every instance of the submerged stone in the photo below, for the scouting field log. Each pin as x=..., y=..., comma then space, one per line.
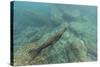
x=77, y=51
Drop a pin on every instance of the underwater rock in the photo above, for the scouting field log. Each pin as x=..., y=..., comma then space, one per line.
x=76, y=33
x=77, y=26
x=68, y=14
x=71, y=16
x=91, y=49
x=77, y=51
x=80, y=29
x=22, y=56
x=68, y=18
x=37, y=34
x=56, y=17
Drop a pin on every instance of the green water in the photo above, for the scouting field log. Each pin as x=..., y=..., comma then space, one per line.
x=36, y=22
